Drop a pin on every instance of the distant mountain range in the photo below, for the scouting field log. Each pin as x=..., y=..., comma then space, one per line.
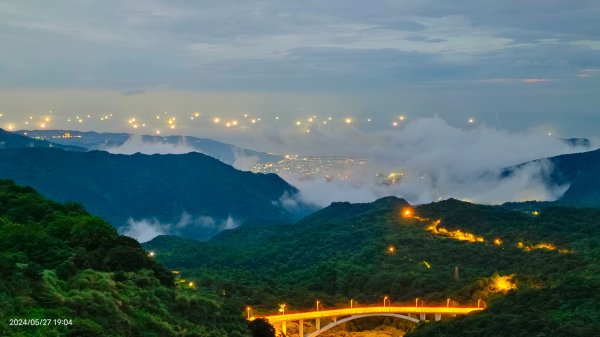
x=226, y=153
x=581, y=171
x=11, y=140
x=192, y=195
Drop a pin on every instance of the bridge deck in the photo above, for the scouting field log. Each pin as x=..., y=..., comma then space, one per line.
x=369, y=310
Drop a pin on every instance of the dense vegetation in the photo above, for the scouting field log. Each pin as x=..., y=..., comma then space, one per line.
x=342, y=253
x=162, y=187
x=58, y=262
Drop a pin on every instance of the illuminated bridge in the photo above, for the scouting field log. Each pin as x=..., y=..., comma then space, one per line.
x=339, y=316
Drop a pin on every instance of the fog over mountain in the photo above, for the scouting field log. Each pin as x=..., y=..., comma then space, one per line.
x=437, y=160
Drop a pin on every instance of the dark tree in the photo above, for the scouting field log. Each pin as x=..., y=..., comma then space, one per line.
x=261, y=328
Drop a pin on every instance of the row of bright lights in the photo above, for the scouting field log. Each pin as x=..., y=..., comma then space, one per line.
x=44, y=121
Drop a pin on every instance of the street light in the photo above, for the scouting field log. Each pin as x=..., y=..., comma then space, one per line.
x=318, y=302
x=351, y=303
x=248, y=311
x=282, y=309
x=448, y=303
x=386, y=299
x=481, y=301
x=417, y=302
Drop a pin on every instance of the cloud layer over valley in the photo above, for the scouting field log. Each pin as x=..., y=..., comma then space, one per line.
x=433, y=160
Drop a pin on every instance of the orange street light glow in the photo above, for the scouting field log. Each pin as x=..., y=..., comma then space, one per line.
x=503, y=283
x=455, y=234
x=407, y=212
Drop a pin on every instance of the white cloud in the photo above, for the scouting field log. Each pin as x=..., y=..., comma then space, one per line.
x=200, y=227
x=439, y=162
x=136, y=144
x=144, y=230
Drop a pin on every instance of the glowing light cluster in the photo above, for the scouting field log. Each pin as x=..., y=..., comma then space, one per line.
x=407, y=212
x=503, y=284
x=454, y=234
x=542, y=246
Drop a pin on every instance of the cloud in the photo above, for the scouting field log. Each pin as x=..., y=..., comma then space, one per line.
x=229, y=223
x=144, y=230
x=535, y=80
x=284, y=44
x=434, y=161
x=137, y=143
x=132, y=92
x=243, y=162
x=200, y=227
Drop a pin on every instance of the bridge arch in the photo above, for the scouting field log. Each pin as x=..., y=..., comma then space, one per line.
x=353, y=317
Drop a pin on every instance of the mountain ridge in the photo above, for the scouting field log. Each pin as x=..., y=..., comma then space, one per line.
x=163, y=190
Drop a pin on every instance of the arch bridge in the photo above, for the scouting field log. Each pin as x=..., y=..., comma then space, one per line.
x=414, y=314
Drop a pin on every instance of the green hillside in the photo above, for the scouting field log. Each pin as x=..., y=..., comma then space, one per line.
x=343, y=252
x=73, y=275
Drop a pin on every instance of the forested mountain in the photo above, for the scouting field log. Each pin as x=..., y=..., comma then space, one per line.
x=539, y=273
x=192, y=195
x=64, y=272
